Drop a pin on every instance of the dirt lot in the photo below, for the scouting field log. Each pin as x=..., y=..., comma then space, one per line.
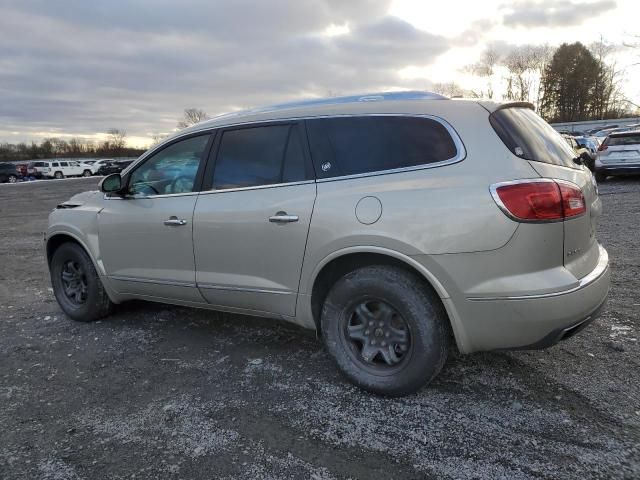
x=167, y=392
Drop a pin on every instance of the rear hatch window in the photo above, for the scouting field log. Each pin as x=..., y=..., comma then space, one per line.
x=621, y=140
x=531, y=138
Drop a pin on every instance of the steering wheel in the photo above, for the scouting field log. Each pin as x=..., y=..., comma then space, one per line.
x=182, y=178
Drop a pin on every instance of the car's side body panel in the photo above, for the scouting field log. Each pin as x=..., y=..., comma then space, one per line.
x=440, y=220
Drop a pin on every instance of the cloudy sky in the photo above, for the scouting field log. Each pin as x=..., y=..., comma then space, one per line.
x=80, y=67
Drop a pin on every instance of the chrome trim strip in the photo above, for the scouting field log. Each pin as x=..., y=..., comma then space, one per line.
x=258, y=187
x=595, y=274
x=152, y=281
x=210, y=286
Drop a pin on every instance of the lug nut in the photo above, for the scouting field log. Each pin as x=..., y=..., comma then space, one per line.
x=371, y=323
x=387, y=334
x=381, y=324
x=384, y=344
x=366, y=332
x=373, y=342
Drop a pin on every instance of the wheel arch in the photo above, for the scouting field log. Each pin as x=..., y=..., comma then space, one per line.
x=343, y=261
x=55, y=240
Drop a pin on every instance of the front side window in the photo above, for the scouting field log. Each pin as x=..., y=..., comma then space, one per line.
x=172, y=170
x=256, y=156
x=353, y=145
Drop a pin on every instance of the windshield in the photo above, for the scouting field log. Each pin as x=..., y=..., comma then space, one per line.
x=529, y=137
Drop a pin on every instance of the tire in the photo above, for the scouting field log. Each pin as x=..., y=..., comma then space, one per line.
x=600, y=177
x=86, y=173
x=92, y=301
x=401, y=316
x=58, y=175
x=12, y=179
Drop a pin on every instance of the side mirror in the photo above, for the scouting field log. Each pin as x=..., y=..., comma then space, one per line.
x=111, y=183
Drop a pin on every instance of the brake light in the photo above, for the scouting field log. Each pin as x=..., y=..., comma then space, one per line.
x=539, y=200
x=573, y=203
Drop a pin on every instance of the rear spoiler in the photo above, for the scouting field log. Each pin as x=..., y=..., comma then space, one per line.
x=528, y=105
x=494, y=107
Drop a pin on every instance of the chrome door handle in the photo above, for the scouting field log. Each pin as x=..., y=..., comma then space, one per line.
x=175, y=222
x=282, y=217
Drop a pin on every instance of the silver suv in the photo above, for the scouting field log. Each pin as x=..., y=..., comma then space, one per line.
x=393, y=224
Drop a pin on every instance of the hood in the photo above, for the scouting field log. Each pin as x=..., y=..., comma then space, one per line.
x=80, y=199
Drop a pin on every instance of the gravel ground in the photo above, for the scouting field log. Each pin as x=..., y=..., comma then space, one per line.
x=169, y=392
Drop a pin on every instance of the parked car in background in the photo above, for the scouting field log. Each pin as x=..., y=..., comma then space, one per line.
x=393, y=224
x=36, y=169
x=108, y=167
x=581, y=154
x=21, y=168
x=619, y=154
x=9, y=173
x=61, y=168
x=591, y=145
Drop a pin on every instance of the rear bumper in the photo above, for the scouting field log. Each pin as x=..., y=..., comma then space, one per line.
x=533, y=321
x=618, y=168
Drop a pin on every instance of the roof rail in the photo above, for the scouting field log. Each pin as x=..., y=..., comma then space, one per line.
x=369, y=97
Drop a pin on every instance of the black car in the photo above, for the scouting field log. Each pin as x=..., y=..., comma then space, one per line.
x=113, y=167
x=9, y=173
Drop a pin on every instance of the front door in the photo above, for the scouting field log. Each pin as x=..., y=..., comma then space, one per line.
x=146, y=236
x=250, y=228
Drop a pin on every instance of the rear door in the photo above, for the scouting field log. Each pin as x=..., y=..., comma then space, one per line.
x=251, y=226
x=531, y=138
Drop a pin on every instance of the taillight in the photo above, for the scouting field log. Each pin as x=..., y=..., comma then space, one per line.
x=602, y=147
x=539, y=200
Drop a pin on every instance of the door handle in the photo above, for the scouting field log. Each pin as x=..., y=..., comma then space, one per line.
x=282, y=217
x=175, y=222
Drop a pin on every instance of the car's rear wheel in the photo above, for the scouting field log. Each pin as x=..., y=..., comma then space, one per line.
x=13, y=178
x=58, y=175
x=386, y=330
x=76, y=284
x=86, y=173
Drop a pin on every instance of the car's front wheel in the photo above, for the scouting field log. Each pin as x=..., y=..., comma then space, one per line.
x=76, y=284
x=86, y=173
x=58, y=175
x=13, y=179
x=385, y=329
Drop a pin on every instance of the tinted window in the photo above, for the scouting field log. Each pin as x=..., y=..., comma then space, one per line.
x=351, y=145
x=171, y=170
x=528, y=136
x=55, y=164
x=632, y=139
x=64, y=164
x=256, y=156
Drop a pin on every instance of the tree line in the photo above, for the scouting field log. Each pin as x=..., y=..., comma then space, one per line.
x=572, y=82
x=114, y=145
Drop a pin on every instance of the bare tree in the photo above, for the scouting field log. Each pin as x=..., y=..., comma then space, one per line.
x=452, y=89
x=485, y=68
x=191, y=116
x=116, y=138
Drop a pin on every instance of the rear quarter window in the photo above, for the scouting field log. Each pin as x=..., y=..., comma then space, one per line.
x=529, y=137
x=356, y=145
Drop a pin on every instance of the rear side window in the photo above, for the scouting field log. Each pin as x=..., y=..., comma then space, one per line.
x=632, y=139
x=256, y=156
x=529, y=137
x=353, y=145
